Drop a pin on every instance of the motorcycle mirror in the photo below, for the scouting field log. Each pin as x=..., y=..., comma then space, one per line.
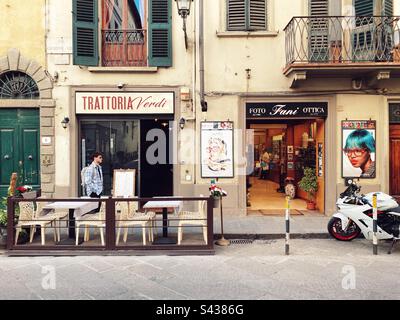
x=350, y=181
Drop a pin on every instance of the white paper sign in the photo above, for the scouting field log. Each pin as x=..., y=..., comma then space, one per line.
x=124, y=102
x=217, y=149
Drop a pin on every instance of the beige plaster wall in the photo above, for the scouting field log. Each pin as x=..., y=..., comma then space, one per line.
x=23, y=27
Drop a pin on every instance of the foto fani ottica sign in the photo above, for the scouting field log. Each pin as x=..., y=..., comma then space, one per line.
x=124, y=102
x=287, y=110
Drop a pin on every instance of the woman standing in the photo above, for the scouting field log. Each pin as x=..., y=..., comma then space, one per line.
x=264, y=164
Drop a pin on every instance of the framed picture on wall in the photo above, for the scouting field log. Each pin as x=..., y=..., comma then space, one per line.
x=290, y=165
x=290, y=149
x=359, y=149
x=290, y=156
x=217, y=149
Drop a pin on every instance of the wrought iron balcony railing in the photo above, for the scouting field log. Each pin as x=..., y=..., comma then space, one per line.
x=124, y=48
x=336, y=39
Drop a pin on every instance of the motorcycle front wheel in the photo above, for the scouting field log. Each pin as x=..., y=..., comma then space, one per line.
x=336, y=231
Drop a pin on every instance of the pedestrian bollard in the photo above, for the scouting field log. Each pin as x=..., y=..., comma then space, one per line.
x=375, y=223
x=287, y=219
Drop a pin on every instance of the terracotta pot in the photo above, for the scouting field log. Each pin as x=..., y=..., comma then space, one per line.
x=311, y=205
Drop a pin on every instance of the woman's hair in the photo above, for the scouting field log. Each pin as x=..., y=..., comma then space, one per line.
x=362, y=139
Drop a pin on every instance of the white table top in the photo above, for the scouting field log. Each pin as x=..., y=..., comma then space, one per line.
x=67, y=205
x=80, y=208
x=163, y=204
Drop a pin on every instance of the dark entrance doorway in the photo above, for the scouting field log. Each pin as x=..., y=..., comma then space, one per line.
x=19, y=147
x=156, y=178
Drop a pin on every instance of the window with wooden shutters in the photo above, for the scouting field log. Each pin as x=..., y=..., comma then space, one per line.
x=246, y=15
x=85, y=32
x=319, y=11
x=160, y=37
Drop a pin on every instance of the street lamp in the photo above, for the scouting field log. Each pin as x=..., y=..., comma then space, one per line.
x=184, y=10
x=65, y=122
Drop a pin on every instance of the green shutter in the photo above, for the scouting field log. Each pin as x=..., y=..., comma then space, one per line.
x=246, y=15
x=319, y=34
x=85, y=32
x=236, y=15
x=258, y=15
x=364, y=7
x=388, y=8
x=160, y=33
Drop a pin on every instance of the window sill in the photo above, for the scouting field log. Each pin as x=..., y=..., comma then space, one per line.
x=123, y=69
x=246, y=34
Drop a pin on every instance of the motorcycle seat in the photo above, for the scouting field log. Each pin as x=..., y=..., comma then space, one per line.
x=397, y=209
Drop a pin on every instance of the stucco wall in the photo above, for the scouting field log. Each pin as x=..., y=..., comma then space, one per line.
x=23, y=27
x=365, y=107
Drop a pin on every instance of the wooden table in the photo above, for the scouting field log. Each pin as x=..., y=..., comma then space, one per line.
x=164, y=207
x=76, y=210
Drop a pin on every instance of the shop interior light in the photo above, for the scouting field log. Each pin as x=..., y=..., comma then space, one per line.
x=65, y=122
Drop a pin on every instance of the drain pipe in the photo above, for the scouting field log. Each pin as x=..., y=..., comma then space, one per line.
x=201, y=55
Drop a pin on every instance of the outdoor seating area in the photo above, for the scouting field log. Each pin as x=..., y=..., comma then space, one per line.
x=110, y=223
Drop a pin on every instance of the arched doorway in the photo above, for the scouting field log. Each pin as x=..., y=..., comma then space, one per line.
x=26, y=115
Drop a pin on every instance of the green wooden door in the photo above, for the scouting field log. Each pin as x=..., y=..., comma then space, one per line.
x=19, y=147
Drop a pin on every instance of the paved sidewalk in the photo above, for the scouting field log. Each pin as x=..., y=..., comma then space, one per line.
x=235, y=225
x=316, y=269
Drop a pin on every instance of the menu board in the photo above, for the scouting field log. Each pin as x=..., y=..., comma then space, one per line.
x=124, y=183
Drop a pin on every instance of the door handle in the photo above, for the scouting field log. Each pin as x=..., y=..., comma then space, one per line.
x=7, y=157
x=30, y=157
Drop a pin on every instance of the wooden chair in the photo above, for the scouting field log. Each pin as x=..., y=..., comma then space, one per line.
x=97, y=220
x=130, y=217
x=27, y=217
x=197, y=218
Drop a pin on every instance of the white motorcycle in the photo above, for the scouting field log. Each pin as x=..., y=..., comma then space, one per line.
x=355, y=216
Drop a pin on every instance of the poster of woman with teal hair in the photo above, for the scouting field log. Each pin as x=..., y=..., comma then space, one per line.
x=359, y=149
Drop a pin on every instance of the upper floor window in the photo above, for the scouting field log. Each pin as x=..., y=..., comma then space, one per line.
x=123, y=14
x=133, y=32
x=247, y=15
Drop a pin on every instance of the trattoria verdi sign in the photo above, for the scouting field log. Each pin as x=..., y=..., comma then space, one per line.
x=287, y=110
x=124, y=102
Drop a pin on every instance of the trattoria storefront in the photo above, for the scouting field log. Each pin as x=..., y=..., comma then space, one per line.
x=133, y=130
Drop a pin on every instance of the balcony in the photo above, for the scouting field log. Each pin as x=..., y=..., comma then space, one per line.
x=355, y=47
x=124, y=48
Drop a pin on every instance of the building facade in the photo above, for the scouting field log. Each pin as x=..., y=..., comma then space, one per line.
x=26, y=104
x=292, y=78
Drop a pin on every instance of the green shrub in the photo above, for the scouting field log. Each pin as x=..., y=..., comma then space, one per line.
x=309, y=183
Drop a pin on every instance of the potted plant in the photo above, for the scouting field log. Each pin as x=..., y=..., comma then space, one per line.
x=3, y=223
x=25, y=192
x=309, y=184
x=217, y=193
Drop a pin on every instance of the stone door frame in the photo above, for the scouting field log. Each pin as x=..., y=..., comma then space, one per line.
x=14, y=61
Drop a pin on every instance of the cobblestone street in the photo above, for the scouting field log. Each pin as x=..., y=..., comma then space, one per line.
x=316, y=269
